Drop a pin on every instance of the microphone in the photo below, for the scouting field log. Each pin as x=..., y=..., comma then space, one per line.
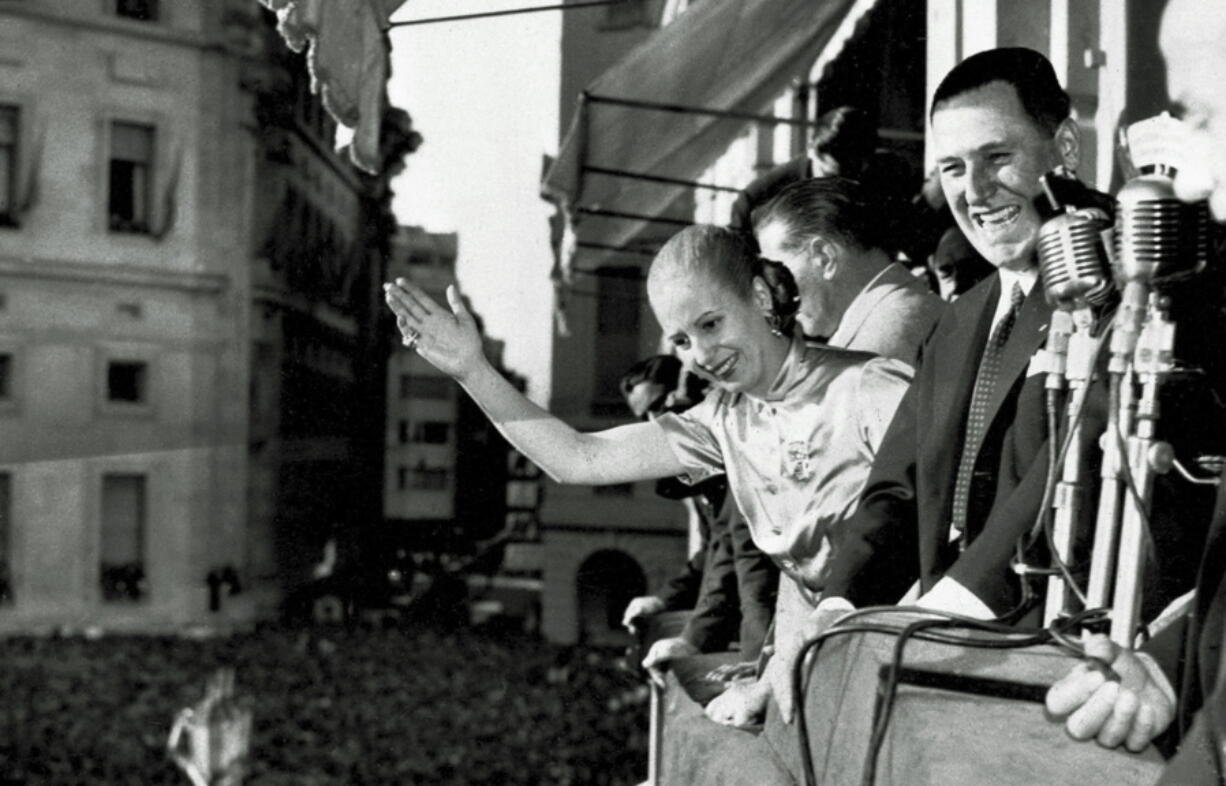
x=1073, y=265
x=1158, y=240
x=1073, y=259
x=1076, y=278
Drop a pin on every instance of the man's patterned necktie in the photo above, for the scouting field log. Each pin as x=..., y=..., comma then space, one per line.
x=977, y=415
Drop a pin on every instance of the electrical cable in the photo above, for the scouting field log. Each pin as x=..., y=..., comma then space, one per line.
x=1188, y=476
x=886, y=708
x=1008, y=637
x=1003, y=636
x=1042, y=526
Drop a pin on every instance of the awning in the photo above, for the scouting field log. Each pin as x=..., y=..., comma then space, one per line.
x=728, y=57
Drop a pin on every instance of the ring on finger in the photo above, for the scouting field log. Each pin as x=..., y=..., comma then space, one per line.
x=410, y=338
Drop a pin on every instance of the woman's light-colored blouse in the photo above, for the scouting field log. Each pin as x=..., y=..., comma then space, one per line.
x=798, y=458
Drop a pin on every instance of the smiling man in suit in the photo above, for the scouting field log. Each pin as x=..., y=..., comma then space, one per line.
x=960, y=473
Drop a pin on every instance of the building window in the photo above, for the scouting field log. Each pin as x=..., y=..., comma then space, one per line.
x=6, y=376
x=141, y=10
x=123, y=538
x=617, y=330
x=10, y=123
x=403, y=431
x=431, y=432
x=127, y=381
x=430, y=478
x=6, y=538
x=402, y=478
x=131, y=177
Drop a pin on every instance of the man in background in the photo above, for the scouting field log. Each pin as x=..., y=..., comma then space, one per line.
x=827, y=232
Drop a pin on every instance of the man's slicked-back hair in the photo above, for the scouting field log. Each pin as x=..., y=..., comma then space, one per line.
x=1030, y=73
x=835, y=208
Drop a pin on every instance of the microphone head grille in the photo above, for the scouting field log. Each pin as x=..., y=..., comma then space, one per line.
x=1072, y=260
x=1158, y=238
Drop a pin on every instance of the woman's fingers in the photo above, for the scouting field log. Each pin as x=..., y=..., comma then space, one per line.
x=419, y=297
x=456, y=302
x=406, y=298
x=403, y=305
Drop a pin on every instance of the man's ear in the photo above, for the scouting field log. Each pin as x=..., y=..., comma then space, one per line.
x=1068, y=143
x=824, y=255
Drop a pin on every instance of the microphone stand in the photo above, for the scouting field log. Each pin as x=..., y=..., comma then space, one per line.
x=1107, y=522
x=1152, y=362
x=1067, y=500
x=1125, y=331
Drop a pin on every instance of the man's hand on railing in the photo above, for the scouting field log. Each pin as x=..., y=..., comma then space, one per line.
x=663, y=651
x=742, y=704
x=642, y=606
x=1114, y=696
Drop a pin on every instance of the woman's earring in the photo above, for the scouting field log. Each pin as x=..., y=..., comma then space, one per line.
x=775, y=322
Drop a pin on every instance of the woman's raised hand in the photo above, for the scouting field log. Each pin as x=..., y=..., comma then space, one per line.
x=448, y=341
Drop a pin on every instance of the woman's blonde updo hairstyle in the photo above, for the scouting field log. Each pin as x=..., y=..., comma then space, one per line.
x=728, y=259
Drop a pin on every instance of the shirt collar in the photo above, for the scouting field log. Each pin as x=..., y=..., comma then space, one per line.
x=1024, y=278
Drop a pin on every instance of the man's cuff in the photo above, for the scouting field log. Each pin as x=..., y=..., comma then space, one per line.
x=949, y=595
x=834, y=604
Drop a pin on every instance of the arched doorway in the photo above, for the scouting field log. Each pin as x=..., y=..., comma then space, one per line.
x=605, y=583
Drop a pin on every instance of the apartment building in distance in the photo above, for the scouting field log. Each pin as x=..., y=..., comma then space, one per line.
x=446, y=467
x=188, y=281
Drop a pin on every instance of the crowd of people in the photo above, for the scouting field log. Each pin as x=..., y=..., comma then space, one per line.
x=329, y=707
x=885, y=445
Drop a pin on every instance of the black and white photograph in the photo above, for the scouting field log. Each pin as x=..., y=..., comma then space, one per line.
x=612, y=392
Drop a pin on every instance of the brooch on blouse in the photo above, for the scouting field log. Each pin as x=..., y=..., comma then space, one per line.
x=798, y=461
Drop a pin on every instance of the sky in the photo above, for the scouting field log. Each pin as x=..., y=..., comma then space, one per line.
x=484, y=94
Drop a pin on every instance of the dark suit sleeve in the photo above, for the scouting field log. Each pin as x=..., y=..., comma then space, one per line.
x=681, y=591
x=757, y=581
x=712, y=625
x=739, y=587
x=984, y=568
x=876, y=557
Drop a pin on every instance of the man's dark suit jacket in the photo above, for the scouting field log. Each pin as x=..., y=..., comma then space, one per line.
x=901, y=530
x=737, y=598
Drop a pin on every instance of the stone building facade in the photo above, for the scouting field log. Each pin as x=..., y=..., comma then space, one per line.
x=188, y=273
